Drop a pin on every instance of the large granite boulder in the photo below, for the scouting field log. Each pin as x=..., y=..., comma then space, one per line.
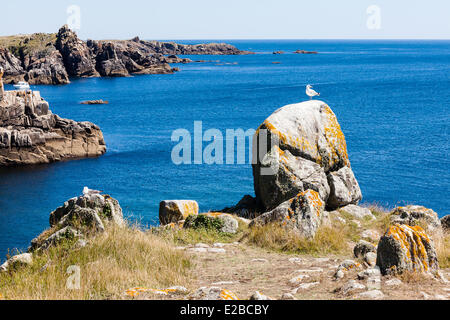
x=310, y=152
x=30, y=133
x=172, y=211
x=78, y=217
x=303, y=214
x=406, y=248
x=413, y=215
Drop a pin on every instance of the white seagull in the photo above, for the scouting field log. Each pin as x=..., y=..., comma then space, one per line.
x=88, y=192
x=310, y=92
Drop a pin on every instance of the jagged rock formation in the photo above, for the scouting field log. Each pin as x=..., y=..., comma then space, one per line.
x=34, y=59
x=53, y=58
x=30, y=133
x=305, y=149
x=76, y=54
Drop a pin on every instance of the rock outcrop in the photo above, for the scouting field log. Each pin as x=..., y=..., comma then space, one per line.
x=30, y=133
x=406, y=248
x=34, y=59
x=77, y=57
x=413, y=215
x=301, y=150
x=310, y=152
x=80, y=217
x=43, y=58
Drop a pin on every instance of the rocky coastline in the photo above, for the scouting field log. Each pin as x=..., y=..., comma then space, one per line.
x=31, y=134
x=54, y=59
x=308, y=206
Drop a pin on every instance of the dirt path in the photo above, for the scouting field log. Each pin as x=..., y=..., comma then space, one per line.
x=244, y=270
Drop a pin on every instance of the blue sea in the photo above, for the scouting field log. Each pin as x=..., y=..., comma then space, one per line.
x=392, y=99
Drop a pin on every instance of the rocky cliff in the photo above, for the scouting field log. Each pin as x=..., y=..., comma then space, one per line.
x=30, y=133
x=54, y=58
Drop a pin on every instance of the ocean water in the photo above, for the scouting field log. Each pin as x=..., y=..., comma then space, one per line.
x=392, y=99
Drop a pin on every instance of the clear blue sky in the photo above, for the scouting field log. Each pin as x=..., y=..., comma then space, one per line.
x=232, y=19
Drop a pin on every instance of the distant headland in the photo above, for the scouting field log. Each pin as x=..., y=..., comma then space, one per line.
x=56, y=58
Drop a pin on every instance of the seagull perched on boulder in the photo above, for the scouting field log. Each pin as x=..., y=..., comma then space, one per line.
x=88, y=192
x=310, y=92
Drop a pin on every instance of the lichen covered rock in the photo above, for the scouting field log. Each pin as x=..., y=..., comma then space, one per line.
x=413, y=215
x=212, y=293
x=80, y=216
x=406, y=248
x=176, y=210
x=310, y=152
x=302, y=214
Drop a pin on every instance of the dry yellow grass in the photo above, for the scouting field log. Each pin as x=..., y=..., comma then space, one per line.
x=274, y=237
x=118, y=260
x=443, y=250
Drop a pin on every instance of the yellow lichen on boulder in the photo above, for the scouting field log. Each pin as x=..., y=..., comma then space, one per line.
x=173, y=211
x=404, y=248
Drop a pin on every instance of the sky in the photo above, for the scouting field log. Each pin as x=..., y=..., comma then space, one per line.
x=231, y=19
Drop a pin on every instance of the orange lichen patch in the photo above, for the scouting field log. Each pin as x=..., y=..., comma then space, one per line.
x=412, y=241
x=335, y=138
x=189, y=208
x=314, y=198
x=228, y=295
x=214, y=214
x=298, y=142
x=352, y=266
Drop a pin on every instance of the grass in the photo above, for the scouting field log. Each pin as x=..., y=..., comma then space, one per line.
x=21, y=45
x=120, y=259
x=328, y=240
x=203, y=235
x=442, y=245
